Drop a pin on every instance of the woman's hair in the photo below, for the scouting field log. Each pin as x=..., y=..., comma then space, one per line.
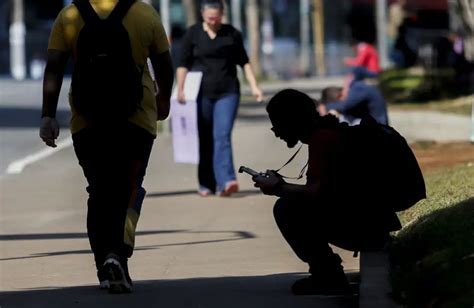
x=212, y=4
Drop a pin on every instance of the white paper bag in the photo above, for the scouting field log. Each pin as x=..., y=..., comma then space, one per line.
x=184, y=121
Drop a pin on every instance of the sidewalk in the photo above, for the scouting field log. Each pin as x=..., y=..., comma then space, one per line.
x=190, y=251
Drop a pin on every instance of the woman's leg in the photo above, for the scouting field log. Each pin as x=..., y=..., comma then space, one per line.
x=207, y=181
x=225, y=111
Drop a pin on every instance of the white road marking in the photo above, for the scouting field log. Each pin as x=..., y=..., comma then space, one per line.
x=17, y=166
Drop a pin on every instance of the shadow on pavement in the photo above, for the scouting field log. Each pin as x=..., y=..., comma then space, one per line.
x=28, y=117
x=240, y=194
x=226, y=237
x=248, y=291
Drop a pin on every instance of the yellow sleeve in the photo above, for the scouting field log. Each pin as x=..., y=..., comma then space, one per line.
x=57, y=39
x=159, y=42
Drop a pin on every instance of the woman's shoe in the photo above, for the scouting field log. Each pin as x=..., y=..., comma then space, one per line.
x=230, y=188
x=203, y=192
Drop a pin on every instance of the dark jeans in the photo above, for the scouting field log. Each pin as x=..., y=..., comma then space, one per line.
x=309, y=227
x=114, y=163
x=215, y=121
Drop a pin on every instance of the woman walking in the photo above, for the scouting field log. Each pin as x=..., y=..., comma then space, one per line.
x=215, y=49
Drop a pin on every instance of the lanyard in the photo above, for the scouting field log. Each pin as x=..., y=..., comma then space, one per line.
x=289, y=161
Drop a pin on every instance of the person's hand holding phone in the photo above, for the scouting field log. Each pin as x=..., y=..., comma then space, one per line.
x=269, y=182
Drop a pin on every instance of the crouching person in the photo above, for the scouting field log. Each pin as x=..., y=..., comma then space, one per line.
x=345, y=201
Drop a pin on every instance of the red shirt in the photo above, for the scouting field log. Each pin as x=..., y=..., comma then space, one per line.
x=367, y=57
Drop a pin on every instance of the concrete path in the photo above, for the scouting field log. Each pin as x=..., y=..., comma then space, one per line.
x=190, y=251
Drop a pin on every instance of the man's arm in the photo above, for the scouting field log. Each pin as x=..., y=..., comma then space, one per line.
x=52, y=82
x=355, y=98
x=272, y=184
x=163, y=68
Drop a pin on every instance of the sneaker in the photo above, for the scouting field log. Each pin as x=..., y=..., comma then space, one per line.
x=313, y=286
x=117, y=275
x=103, y=279
x=230, y=188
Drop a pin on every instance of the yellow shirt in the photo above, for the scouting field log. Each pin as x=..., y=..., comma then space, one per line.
x=147, y=35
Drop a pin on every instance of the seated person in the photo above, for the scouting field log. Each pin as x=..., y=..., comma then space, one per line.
x=361, y=101
x=331, y=207
x=366, y=58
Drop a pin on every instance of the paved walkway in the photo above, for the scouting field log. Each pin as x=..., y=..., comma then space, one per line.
x=191, y=251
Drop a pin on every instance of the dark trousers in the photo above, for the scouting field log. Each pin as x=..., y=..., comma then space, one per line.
x=310, y=226
x=114, y=163
x=302, y=229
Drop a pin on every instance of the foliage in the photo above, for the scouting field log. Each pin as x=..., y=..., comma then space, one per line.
x=420, y=85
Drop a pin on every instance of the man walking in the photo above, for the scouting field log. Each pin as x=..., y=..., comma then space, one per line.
x=114, y=112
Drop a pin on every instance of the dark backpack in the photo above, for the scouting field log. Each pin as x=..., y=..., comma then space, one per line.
x=384, y=156
x=106, y=82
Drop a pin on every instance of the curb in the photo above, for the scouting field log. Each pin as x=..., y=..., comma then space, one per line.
x=375, y=288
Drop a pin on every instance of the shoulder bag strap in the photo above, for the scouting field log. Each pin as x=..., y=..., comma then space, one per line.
x=86, y=10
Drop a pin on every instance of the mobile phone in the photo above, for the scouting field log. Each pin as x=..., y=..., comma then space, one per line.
x=248, y=171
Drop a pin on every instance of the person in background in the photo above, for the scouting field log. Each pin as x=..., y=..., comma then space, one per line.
x=362, y=101
x=396, y=15
x=366, y=58
x=215, y=49
x=112, y=151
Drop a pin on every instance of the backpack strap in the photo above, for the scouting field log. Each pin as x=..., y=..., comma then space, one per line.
x=86, y=10
x=121, y=9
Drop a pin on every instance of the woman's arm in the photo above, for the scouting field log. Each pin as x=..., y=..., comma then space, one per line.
x=180, y=78
x=250, y=76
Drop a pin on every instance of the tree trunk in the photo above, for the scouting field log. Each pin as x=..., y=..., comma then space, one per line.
x=165, y=17
x=191, y=12
x=17, y=42
x=253, y=34
x=267, y=39
x=236, y=16
x=225, y=18
x=305, y=50
x=318, y=34
x=381, y=22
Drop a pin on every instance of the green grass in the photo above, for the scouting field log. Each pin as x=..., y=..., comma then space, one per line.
x=461, y=105
x=418, y=85
x=433, y=255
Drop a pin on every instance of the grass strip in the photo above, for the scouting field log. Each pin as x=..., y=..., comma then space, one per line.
x=432, y=257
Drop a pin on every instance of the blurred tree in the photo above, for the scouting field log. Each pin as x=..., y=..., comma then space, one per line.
x=17, y=41
x=461, y=13
x=236, y=17
x=253, y=34
x=191, y=12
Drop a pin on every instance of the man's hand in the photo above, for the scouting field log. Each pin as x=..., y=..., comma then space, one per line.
x=49, y=131
x=269, y=183
x=163, y=107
